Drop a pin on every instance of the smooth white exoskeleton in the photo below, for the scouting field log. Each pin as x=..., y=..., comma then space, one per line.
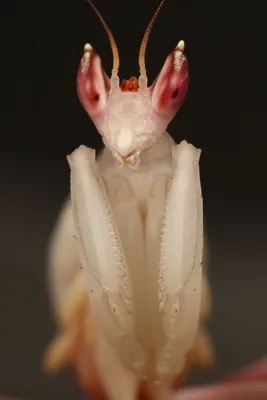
x=135, y=225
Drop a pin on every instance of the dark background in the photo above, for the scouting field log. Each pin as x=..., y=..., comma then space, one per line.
x=224, y=115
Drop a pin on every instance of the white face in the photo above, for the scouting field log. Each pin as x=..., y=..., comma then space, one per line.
x=127, y=115
x=130, y=125
x=131, y=117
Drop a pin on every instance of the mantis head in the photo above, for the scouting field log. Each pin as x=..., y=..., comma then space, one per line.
x=131, y=116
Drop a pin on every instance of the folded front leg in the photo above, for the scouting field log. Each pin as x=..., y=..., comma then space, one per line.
x=180, y=262
x=106, y=271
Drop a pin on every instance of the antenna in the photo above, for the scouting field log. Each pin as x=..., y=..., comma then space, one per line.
x=142, y=51
x=114, y=48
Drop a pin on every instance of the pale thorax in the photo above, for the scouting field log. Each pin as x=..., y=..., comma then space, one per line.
x=156, y=164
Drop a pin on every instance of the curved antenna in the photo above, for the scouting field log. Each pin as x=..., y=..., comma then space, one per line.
x=114, y=48
x=142, y=51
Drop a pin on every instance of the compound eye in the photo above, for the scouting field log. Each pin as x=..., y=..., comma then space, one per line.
x=93, y=84
x=170, y=87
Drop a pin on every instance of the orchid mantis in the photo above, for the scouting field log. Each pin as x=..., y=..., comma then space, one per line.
x=125, y=262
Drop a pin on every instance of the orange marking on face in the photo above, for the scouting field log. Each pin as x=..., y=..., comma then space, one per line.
x=130, y=85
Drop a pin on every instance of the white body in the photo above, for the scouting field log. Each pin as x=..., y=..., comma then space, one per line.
x=130, y=244
x=137, y=198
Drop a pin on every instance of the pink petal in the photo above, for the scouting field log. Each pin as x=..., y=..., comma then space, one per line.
x=246, y=391
x=253, y=373
x=250, y=383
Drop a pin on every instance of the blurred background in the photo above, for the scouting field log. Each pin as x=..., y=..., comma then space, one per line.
x=224, y=115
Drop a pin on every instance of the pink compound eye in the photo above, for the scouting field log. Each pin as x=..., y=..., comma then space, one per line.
x=93, y=84
x=170, y=87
